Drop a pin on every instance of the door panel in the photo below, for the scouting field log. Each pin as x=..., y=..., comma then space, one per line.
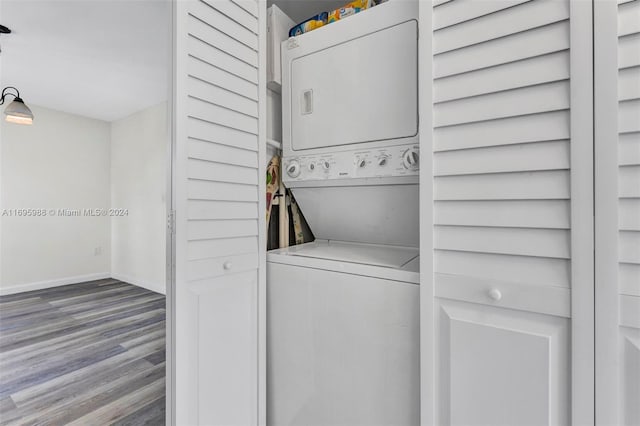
x=225, y=316
x=617, y=186
x=218, y=164
x=630, y=375
x=629, y=195
x=512, y=192
x=501, y=366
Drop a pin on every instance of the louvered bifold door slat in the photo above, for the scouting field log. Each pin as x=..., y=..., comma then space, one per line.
x=629, y=153
x=218, y=291
x=512, y=195
x=617, y=127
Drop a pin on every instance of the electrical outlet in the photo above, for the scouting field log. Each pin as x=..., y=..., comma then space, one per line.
x=97, y=251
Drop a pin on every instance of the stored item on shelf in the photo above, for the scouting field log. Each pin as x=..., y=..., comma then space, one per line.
x=350, y=9
x=310, y=24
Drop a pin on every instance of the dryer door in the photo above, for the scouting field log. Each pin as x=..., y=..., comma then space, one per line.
x=355, y=91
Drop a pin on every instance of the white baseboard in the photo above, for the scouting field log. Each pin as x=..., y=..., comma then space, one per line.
x=21, y=288
x=140, y=283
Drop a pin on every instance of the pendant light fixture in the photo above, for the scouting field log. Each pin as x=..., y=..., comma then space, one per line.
x=16, y=112
x=4, y=30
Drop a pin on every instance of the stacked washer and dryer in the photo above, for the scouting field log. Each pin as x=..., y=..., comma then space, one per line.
x=343, y=311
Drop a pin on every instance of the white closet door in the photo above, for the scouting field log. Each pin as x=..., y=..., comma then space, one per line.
x=512, y=212
x=218, y=194
x=617, y=82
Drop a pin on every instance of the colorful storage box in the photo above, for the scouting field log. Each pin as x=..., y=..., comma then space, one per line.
x=310, y=24
x=350, y=9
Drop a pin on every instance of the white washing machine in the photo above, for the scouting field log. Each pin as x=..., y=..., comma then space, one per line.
x=343, y=337
x=343, y=311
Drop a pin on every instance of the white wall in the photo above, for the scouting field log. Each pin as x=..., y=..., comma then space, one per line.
x=60, y=162
x=138, y=184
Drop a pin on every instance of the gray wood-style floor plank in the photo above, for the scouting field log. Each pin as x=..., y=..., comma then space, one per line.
x=152, y=414
x=36, y=392
x=156, y=357
x=80, y=390
x=88, y=353
x=35, y=355
x=7, y=404
x=122, y=407
x=72, y=336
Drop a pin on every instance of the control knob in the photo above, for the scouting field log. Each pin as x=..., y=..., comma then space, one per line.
x=382, y=161
x=293, y=169
x=411, y=159
x=326, y=165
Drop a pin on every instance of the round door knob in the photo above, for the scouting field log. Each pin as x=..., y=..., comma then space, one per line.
x=495, y=294
x=411, y=159
x=227, y=265
x=293, y=169
x=326, y=165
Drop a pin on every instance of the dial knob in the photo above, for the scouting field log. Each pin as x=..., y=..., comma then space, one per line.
x=362, y=163
x=326, y=165
x=411, y=159
x=382, y=161
x=293, y=169
x=312, y=166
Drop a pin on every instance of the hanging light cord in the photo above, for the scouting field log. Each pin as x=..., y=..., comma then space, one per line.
x=4, y=94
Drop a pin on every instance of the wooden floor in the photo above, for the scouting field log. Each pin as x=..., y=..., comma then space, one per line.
x=83, y=354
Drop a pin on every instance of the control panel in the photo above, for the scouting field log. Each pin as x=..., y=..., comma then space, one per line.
x=402, y=160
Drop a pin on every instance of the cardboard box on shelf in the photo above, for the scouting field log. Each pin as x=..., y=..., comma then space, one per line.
x=350, y=9
x=310, y=24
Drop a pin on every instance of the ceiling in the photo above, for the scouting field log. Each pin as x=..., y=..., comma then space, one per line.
x=300, y=10
x=103, y=59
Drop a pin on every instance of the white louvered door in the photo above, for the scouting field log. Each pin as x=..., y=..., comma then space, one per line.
x=512, y=212
x=617, y=82
x=218, y=186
